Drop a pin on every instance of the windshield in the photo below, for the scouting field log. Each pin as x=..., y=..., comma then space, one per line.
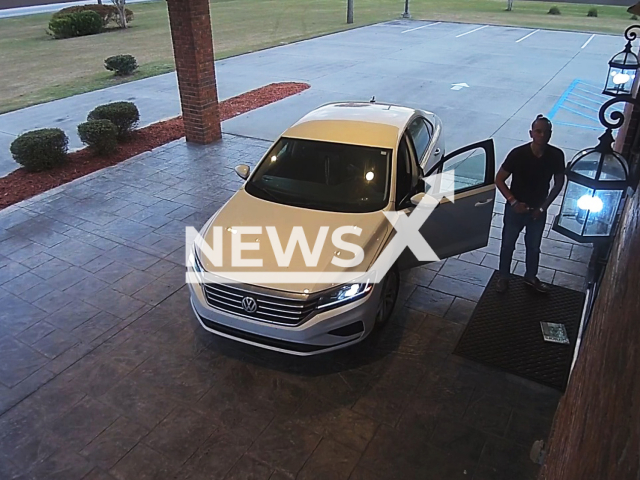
x=323, y=176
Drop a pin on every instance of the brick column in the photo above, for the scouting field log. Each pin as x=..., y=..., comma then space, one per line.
x=193, y=50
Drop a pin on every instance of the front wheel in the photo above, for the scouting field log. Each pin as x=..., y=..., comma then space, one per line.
x=388, y=298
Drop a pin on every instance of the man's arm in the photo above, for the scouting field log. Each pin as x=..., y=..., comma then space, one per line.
x=558, y=183
x=501, y=179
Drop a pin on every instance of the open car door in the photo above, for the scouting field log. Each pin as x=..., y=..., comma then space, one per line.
x=459, y=226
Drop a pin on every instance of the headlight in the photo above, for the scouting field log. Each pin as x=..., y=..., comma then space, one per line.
x=346, y=293
x=194, y=262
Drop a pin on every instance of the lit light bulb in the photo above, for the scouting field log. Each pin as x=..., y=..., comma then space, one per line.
x=587, y=202
x=621, y=78
x=353, y=290
x=274, y=158
x=369, y=176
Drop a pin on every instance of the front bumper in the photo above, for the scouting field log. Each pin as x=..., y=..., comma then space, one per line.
x=309, y=338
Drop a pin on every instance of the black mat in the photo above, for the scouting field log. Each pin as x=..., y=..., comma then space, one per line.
x=504, y=331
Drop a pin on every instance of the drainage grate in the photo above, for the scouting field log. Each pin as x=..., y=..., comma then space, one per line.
x=504, y=331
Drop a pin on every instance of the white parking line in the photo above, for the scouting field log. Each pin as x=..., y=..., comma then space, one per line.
x=467, y=33
x=587, y=42
x=423, y=26
x=527, y=36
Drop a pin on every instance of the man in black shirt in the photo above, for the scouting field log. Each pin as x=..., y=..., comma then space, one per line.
x=531, y=167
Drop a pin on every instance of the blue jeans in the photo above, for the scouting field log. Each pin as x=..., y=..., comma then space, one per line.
x=513, y=225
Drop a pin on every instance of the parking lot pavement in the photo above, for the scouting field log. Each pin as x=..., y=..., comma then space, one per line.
x=105, y=373
x=482, y=81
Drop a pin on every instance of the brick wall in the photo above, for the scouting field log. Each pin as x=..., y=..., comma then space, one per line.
x=596, y=431
x=631, y=132
x=193, y=50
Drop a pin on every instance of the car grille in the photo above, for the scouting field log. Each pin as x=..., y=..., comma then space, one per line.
x=273, y=309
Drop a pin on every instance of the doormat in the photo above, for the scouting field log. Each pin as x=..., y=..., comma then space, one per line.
x=507, y=331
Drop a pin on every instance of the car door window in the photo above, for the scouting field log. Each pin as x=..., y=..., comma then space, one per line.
x=420, y=136
x=463, y=172
x=461, y=222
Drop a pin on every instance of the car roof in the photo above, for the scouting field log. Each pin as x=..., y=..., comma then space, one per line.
x=356, y=123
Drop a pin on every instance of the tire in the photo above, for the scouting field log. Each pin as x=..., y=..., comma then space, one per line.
x=388, y=298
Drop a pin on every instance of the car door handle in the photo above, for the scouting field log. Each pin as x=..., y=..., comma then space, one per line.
x=437, y=151
x=486, y=202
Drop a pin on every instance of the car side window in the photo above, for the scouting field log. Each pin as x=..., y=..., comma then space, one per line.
x=407, y=178
x=420, y=135
x=403, y=172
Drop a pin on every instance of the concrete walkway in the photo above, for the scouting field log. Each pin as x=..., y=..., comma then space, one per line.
x=106, y=374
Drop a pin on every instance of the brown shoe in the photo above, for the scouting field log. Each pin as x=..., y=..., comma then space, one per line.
x=537, y=285
x=502, y=285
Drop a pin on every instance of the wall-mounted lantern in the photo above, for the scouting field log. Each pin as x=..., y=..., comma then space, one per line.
x=622, y=68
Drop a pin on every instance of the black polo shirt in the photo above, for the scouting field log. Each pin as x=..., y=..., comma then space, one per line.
x=530, y=175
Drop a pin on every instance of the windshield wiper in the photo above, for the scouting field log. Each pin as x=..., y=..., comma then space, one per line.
x=266, y=192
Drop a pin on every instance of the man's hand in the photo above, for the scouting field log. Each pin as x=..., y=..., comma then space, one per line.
x=537, y=213
x=521, y=207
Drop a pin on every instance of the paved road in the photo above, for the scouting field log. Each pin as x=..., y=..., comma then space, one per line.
x=513, y=74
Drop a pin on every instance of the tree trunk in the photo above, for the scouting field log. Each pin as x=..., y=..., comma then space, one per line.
x=122, y=12
x=349, y=11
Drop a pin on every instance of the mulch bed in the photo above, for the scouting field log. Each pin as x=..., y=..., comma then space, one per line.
x=20, y=184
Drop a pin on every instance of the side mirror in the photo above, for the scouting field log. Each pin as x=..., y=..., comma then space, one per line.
x=243, y=171
x=417, y=198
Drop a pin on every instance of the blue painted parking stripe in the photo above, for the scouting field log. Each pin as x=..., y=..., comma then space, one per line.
x=587, y=98
x=562, y=98
x=567, y=124
x=590, y=92
x=568, y=100
x=578, y=113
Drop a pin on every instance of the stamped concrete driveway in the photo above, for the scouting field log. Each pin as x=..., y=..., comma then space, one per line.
x=105, y=373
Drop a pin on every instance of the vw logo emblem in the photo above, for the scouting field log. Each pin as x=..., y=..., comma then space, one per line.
x=249, y=304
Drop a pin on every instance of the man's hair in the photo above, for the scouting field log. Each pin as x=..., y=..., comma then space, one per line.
x=541, y=118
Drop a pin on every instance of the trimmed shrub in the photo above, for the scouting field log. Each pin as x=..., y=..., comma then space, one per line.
x=75, y=25
x=62, y=27
x=593, y=12
x=554, y=11
x=40, y=149
x=100, y=135
x=121, y=64
x=124, y=115
x=108, y=13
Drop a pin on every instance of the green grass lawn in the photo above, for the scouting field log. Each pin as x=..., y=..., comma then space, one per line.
x=34, y=68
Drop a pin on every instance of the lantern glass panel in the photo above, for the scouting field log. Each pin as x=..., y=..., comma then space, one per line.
x=571, y=216
x=612, y=167
x=587, y=166
x=620, y=80
x=625, y=59
x=599, y=220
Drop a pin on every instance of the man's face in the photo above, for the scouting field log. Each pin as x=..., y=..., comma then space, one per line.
x=541, y=133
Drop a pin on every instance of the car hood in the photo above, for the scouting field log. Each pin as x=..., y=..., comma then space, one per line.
x=244, y=210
